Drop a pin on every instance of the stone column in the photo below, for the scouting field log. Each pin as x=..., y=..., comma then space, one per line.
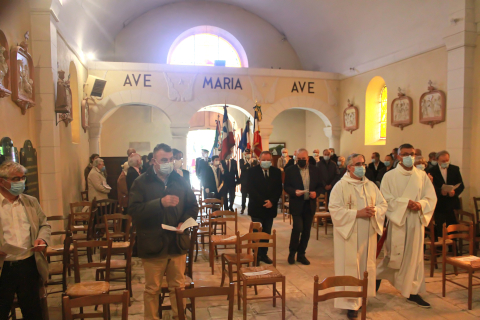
x=94, y=131
x=333, y=135
x=179, y=137
x=265, y=132
x=460, y=40
x=43, y=38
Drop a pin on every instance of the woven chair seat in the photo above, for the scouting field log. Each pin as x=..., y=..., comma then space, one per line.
x=89, y=288
x=244, y=258
x=462, y=264
x=55, y=268
x=118, y=245
x=322, y=214
x=274, y=274
x=220, y=239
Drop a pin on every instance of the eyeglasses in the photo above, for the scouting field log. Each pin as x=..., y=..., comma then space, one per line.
x=359, y=164
x=17, y=179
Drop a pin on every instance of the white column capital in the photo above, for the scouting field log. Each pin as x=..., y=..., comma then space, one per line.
x=179, y=131
x=266, y=130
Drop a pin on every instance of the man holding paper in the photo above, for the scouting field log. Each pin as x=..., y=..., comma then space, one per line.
x=411, y=200
x=448, y=184
x=24, y=233
x=159, y=197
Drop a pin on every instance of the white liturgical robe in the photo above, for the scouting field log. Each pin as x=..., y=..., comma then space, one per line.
x=355, y=239
x=402, y=264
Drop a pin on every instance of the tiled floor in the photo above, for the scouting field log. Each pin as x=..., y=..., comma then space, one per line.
x=388, y=304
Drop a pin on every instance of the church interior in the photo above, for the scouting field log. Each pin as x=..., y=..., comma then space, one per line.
x=217, y=78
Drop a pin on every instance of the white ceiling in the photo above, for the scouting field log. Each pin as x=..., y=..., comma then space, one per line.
x=328, y=35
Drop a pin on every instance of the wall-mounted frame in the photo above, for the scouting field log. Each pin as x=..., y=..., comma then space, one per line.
x=4, y=67
x=85, y=114
x=22, y=75
x=276, y=148
x=401, y=110
x=432, y=106
x=350, y=118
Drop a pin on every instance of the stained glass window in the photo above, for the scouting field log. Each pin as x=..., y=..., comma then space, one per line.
x=203, y=49
x=383, y=106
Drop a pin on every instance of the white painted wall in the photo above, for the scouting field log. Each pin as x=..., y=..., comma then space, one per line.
x=133, y=124
x=289, y=127
x=148, y=38
x=315, y=136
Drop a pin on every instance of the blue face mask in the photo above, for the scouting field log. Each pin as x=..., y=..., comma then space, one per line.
x=166, y=168
x=326, y=158
x=420, y=167
x=103, y=169
x=16, y=188
x=387, y=163
x=339, y=163
x=407, y=161
x=265, y=164
x=433, y=162
x=445, y=165
x=359, y=172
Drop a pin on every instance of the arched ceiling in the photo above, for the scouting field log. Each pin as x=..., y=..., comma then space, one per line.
x=328, y=35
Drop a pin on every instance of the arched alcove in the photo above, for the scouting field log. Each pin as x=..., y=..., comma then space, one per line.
x=372, y=112
x=76, y=114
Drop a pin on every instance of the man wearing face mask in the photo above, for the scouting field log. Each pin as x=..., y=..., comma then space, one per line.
x=161, y=196
x=358, y=212
x=265, y=187
x=316, y=155
x=283, y=160
x=303, y=185
x=22, y=224
x=213, y=179
x=328, y=170
x=201, y=165
x=446, y=173
x=230, y=181
x=333, y=156
x=97, y=183
x=411, y=202
x=245, y=165
x=388, y=162
x=375, y=165
x=133, y=172
x=178, y=165
x=292, y=161
x=432, y=161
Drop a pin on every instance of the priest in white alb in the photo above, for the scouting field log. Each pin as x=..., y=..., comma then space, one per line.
x=411, y=201
x=358, y=210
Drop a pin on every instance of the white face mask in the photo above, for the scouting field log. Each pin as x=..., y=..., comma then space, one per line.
x=315, y=154
x=216, y=163
x=284, y=154
x=248, y=156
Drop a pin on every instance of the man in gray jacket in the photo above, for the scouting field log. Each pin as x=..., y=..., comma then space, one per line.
x=161, y=196
x=22, y=224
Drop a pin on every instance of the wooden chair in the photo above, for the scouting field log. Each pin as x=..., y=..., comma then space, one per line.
x=57, y=250
x=121, y=238
x=61, y=267
x=84, y=195
x=79, y=219
x=189, y=283
x=433, y=245
x=69, y=304
x=210, y=205
x=459, y=231
x=105, y=206
x=340, y=281
x=465, y=218
x=194, y=293
x=322, y=213
x=90, y=288
x=220, y=240
x=286, y=207
x=254, y=241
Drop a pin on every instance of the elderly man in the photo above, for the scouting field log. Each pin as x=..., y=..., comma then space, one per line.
x=328, y=171
x=292, y=161
x=245, y=165
x=388, y=162
x=358, y=212
x=303, y=185
x=446, y=174
x=265, y=187
x=178, y=165
x=283, y=160
x=411, y=201
x=97, y=183
x=316, y=155
x=130, y=151
x=333, y=156
x=22, y=224
x=375, y=165
x=133, y=172
x=432, y=161
x=161, y=196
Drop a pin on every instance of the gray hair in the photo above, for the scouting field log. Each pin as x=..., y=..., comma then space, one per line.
x=302, y=150
x=284, y=149
x=9, y=167
x=133, y=160
x=97, y=161
x=441, y=153
x=350, y=158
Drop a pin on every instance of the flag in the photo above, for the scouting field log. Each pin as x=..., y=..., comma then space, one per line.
x=228, y=141
x=257, y=138
x=216, y=142
x=245, y=141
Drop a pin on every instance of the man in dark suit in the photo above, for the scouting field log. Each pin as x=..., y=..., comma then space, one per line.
x=447, y=202
x=244, y=169
x=328, y=170
x=432, y=162
x=178, y=165
x=292, y=161
x=134, y=163
x=333, y=156
x=375, y=165
x=303, y=185
x=265, y=187
x=201, y=164
x=213, y=179
x=230, y=181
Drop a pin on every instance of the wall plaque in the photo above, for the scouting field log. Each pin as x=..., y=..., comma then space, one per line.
x=4, y=67
x=7, y=151
x=432, y=106
x=402, y=110
x=28, y=159
x=350, y=118
x=21, y=65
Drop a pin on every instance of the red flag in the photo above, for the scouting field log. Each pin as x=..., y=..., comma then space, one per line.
x=228, y=141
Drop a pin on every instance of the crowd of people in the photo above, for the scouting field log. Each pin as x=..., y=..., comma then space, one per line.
x=401, y=194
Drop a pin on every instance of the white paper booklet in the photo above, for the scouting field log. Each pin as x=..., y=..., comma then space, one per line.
x=449, y=188
x=187, y=224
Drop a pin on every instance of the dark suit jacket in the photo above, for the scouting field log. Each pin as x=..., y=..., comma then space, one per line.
x=334, y=158
x=328, y=171
x=446, y=204
x=381, y=173
x=208, y=180
x=200, y=165
x=371, y=166
x=261, y=189
x=244, y=168
x=339, y=175
x=186, y=176
x=132, y=174
x=290, y=163
x=293, y=182
x=230, y=178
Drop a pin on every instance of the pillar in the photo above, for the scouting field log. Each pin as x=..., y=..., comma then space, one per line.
x=460, y=40
x=265, y=132
x=179, y=139
x=333, y=135
x=94, y=131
